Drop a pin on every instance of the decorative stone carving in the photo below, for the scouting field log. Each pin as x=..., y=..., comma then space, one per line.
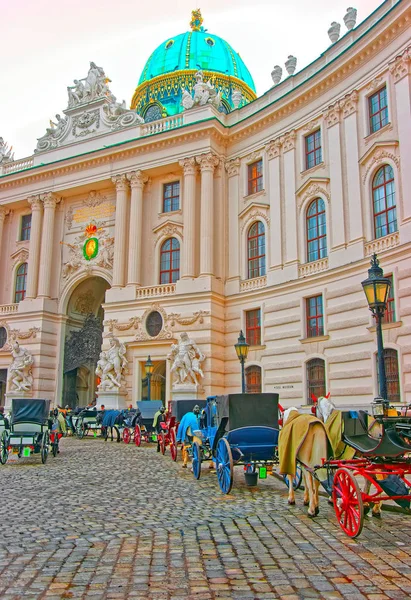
x=117, y=115
x=334, y=32
x=53, y=134
x=20, y=374
x=233, y=167
x=313, y=190
x=379, y=157
x=332, y=115
x=6, y=154
x=92, y=87
x=273, y=149
x=288, y=141
x=85, y=303
x=350, y=18
x=168, y=230
x=137, y=179
x=311, y=126
x=86, y=122
x=207, y=162
x=186, y=359
x=49, y=200
x=401, y=66
x=121, y=182
x=375, y=83
x=197, y=316
x=111, y=366
x=349, y=103
x=204, y=93
x=237, y=98
x=77, y=260
x=20, y=257
x=254, y=215
x=165, y=333
x=291, y=64
x=94, y=199
x=16, y=334
x=114, y=325
x=276, y=74
x=188, y=165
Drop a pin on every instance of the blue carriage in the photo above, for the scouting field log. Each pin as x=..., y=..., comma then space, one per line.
x=238, y=429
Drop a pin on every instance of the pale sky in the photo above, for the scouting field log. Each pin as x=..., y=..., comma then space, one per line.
x=48, y=43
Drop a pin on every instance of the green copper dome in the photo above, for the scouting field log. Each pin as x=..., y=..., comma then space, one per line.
x=196, y=50
x=172, y=68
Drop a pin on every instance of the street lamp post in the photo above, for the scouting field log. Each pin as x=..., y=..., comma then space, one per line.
x=149, y=367
x=241, y=347
x=376, y=289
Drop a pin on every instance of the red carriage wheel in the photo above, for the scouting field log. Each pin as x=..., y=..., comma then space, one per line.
x=126, y=435
x=173, y=444
x=162, y=442
x=137, y=435
x=348, y=504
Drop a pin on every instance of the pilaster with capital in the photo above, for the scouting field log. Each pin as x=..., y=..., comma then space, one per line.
x=400, y=70
x=189, y=217
x=35, y=245
x=332, y=119
x=120, y=230
x=3, y=213
x=50, y=202
x=233, y=171
x=288, y=142
x=273, y=150
x=137, y=181
x=208, y=163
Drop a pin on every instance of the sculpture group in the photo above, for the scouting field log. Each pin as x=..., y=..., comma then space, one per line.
x=186, y=358
x=20, y=371
x=204, y=93
x=111, y=366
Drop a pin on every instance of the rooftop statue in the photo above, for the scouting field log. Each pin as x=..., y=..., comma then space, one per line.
x=53, y=134
x=204, y=93
x=6, y=154
x=20, y=370
x=186, y=358
x=91, y=87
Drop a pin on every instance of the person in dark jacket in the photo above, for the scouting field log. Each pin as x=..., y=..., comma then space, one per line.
x=159, y=417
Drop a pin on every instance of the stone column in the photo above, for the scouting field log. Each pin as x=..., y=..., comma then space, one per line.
x=208, y=163
x=3, y=213
x=189, y=217
x=233, y=171
x=120, y=231
x=137, y=180
x=35, y=245
x=332, y=122
x=400, y=72
x=290, y=208
x=46, y=253
x=348, y=106
x=273, y=150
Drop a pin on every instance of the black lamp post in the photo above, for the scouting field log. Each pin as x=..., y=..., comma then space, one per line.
x=376, y=289
x=149, y=367
x=241, y=347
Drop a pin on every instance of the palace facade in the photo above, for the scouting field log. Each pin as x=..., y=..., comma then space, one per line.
x=205, y=209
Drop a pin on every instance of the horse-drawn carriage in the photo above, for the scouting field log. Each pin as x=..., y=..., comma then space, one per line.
x=140, y=429
x=29, y=430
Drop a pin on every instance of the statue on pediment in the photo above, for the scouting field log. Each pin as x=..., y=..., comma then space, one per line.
x=6, y=154
x=204, y=93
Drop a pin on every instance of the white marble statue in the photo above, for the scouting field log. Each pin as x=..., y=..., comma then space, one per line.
x=93, y=86
x=204, y=93
x=6, y=154
x=186, y=358
x=111, y=366
x=20, y=371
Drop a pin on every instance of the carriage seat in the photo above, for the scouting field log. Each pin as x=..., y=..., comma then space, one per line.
x=356, y=435
x=254, y=442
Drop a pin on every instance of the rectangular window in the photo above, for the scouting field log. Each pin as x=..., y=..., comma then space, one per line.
x=378, y=110
x=389, y=315
x=25, y=227
x=313, y=151
x=171, y=196
x=315, y=317
x=253, y=327
x=255, y=177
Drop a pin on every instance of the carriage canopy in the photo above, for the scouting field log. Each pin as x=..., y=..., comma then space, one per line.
x=248, y=410
x=29, y=410
x=181, y=407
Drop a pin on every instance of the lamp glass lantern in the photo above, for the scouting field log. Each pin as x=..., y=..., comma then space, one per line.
x=149, y=366
x=241, y=347
x=376, y=287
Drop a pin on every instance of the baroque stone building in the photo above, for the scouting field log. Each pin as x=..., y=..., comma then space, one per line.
x=209, y=210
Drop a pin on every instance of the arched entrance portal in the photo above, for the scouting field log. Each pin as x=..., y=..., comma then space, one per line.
x=84, y=335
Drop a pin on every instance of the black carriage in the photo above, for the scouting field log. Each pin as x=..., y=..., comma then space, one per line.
x=142, y=429
x=29, y=429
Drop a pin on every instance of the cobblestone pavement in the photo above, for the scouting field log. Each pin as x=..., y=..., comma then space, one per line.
x=110, y=521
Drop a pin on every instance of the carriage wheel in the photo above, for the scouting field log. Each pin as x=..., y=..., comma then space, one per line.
x=297, y=479
x=224, y=466
x=126, y=435
x=162, y=442
x=196, y=460
x=173, y=444
x=137, y=435
x=348, y=504
x=4, y=448
x=44, y=448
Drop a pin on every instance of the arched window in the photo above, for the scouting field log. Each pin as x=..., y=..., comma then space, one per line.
x=316, y=230
x=21, y=283
x=392, y=374
x=3, y=337
x=253, y=379
x=383, y=194
x=170, y=261
x=256, y=250
x=315, y=379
